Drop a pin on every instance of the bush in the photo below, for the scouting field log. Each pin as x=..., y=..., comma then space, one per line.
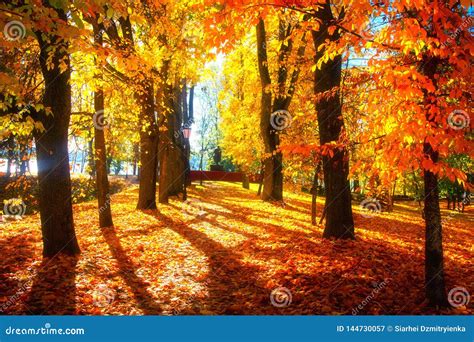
x=25, y=189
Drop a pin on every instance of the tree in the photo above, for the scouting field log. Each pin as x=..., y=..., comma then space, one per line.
x=102, y=181
x=52, y=144
x=327, y=82
x=274, y=114
x=424, y=121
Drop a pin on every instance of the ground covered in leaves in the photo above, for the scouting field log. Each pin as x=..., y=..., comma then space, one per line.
x=223, y=252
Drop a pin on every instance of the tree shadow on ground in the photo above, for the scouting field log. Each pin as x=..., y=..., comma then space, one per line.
x=388, y=253
x=127, y=270
x=16, y=252
x=54, y=287
x=233, y=285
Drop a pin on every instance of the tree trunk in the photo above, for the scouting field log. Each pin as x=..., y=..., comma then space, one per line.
x=136, y=155
x=201, y=161
x=148, y=147
x=245, y=180
x=260, y=181
x=434, y=270
x=172, y=154
x=338, y=210
x=314, y=194
x=54, y=179
x=9, y=164
x=90, y=158
x=102, y=181
x=272, y=163
x=177, y=153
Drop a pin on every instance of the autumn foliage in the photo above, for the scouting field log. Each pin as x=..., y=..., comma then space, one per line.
x=353, y=119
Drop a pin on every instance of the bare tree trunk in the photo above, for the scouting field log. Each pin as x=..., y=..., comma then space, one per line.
x=260, y=183
x=54, y=179
x=314, y=194
x=10, y=156
x=272, y=163
x=172, y=164
x=201, y=165
x=338, y=210
x=245, y=180
x=102, y=181
x=435, y=286
x=148, y=147
x=434, y=269
x=90, y=158
x=269, y=127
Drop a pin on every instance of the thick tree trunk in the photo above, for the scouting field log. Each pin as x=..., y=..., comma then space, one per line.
x=148, y=147
x=270, y=127
x=177, y=155
x=338, y=210
x=434, y=270
x=272, y=163
x=435, y=287
x=172, y=154
x=54, y=180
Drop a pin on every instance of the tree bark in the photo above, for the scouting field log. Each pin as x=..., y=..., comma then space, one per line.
x=273, y=160
x=148, y=147
x=245, y=180
x=90, y=158
x=338, y=210
x=102, y=181
x=434, y=268
x=314, y=194
x=260, y=181
x=10, y=156
x=272, y=163
x=435, y=286
x=55, y=203
x=172, y=154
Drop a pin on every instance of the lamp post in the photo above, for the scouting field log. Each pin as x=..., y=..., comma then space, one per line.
x=186, y=134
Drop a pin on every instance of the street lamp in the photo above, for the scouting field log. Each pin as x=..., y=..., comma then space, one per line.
x=186, y=132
